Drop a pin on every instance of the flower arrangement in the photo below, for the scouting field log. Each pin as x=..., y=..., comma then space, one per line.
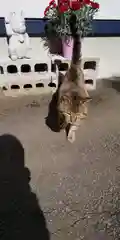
x=58, y=16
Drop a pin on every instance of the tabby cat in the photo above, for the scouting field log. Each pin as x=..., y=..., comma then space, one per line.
x=73, y=96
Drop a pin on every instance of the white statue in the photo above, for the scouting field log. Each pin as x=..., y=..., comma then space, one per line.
x=18, y=39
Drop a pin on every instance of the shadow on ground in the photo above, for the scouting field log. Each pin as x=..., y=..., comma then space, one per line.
x=52, y=120
x=113, y=82
x=20, y=214
x=105, y=89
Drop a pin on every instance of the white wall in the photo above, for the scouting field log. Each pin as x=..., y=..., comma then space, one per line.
x=109, y=9
x=107, y=50
x=33, y=8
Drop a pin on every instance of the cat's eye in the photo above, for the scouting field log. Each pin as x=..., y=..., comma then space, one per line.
x=75, y=97
x=66, y=98
x=87, y=99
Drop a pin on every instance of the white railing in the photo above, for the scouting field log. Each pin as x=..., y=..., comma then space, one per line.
x=28, y=74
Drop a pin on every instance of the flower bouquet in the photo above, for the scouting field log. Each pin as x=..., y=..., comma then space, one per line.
x=58, y=16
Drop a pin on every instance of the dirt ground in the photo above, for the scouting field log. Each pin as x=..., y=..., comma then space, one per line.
x=51, y=189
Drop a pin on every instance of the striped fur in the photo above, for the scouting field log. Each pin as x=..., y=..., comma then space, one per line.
x=73, y=96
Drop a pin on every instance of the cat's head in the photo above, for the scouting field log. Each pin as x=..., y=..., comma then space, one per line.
x=73, y=103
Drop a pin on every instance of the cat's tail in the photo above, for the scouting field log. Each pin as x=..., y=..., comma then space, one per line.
x=76, y=54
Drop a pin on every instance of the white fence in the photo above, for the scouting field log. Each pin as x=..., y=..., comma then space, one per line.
x=38, y=74
x=42, y=76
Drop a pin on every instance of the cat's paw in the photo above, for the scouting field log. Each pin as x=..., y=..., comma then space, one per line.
x=71, y=136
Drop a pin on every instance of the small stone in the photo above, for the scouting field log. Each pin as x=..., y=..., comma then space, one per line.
x=100, y=209
x=67, y=209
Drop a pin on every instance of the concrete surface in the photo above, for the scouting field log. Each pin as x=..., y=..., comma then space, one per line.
x=77, y=186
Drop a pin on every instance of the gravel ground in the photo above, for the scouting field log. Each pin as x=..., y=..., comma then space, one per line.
x=62, y=191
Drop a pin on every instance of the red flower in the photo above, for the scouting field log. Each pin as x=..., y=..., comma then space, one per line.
x=63, y=1
x=75, y=5
x=51, y=2
x=46, y=10
x=95, y=5
x=63, y=8
x=86, y=2
x=63, y=5
x=54, y=5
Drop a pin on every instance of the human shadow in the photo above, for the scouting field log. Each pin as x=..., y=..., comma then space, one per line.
x=52, y=120
x=20, y=215
x=113, y=82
